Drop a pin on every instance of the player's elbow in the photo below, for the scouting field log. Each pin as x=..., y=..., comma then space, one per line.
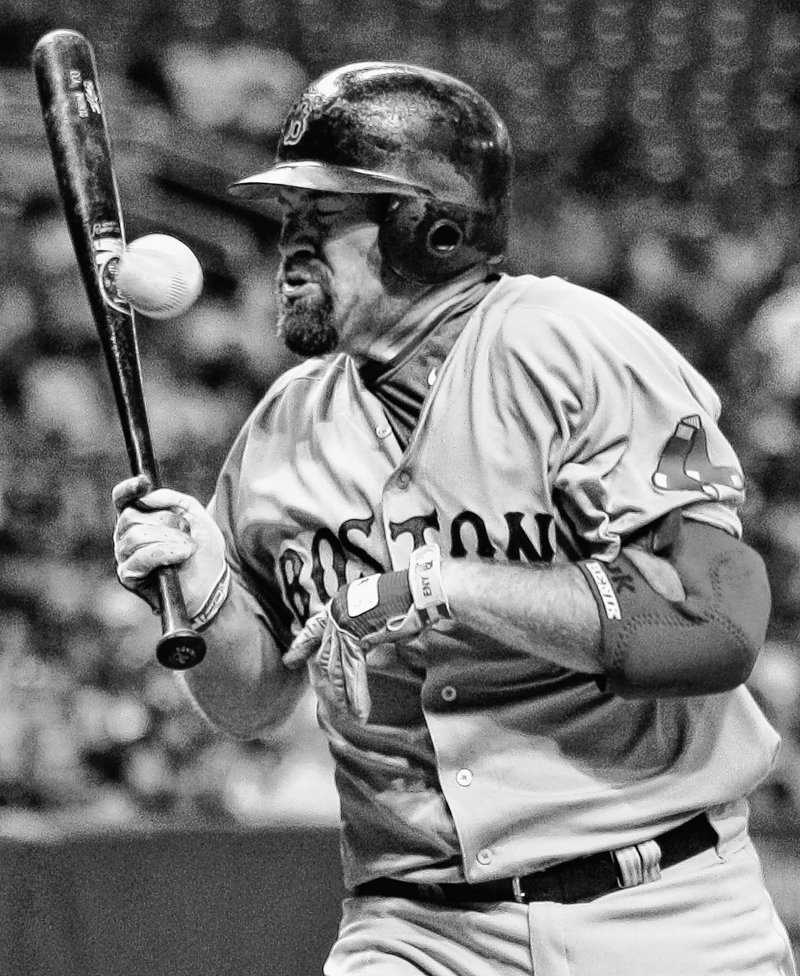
x=738, y=661
x=246, y=726
x=737, y=669
x=719, y=665
x=254, y=714
x=247, y=732
x=742, y=614
x=707, y=643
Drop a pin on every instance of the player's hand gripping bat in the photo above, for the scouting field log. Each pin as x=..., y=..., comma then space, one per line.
x=66, y=75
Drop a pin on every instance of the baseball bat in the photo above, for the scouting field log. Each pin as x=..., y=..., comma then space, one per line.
x=66, y=75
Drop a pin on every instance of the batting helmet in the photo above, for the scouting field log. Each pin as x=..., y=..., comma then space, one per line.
x=430, y=142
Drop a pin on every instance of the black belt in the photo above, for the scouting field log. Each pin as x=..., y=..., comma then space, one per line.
x=583, y=879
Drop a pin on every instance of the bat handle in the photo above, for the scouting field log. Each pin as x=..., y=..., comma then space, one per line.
x=180, y=647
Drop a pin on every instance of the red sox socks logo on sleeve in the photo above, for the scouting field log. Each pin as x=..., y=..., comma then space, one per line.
x=684, y=462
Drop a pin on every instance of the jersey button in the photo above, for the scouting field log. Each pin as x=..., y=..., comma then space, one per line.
x=383, y=431
x=484, y=856
x=403, y=480
x=448, y=693
x=464, y=777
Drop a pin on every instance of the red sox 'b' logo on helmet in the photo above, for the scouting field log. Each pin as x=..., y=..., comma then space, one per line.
x=296, y=124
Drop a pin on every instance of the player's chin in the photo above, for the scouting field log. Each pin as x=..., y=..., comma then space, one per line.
x=307, y=328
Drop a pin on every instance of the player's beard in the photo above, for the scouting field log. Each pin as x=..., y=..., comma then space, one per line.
x=306, y=324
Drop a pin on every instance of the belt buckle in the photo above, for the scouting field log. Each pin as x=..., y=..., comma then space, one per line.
x=638, y=864
x=516, y=887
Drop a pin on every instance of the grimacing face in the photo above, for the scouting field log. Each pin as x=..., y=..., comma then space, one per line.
x=333, y=290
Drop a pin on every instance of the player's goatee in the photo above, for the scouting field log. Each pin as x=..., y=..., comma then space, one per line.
x=306, y=325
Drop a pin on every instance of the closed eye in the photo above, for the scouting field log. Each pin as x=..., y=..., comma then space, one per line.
x=329, y=210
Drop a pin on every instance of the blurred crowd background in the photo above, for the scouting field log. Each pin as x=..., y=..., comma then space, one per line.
x=657, y=161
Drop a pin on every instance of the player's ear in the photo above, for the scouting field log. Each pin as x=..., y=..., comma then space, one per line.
x=425, y=241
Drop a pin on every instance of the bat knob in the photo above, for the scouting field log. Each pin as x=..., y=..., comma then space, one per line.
x=181, y=649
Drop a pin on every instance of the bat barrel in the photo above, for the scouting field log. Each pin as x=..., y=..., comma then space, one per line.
x=74, y=119
x=75, y=124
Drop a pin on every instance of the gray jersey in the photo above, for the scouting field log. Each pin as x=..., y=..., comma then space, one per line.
x=558, y=424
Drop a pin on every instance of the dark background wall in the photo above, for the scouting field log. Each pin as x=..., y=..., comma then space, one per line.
x=207, y=903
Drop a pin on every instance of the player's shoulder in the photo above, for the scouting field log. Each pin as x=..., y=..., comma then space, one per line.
x=527, y=303
x=298, y=387
x=556, y=318
x=298, y=379
x=305, y=369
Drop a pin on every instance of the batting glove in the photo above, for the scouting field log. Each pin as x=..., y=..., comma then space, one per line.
x=167, y=528
x=386, y=608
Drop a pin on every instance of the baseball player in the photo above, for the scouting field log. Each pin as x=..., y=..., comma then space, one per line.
x=493, y=520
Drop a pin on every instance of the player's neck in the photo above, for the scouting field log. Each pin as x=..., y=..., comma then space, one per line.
x=423, y=316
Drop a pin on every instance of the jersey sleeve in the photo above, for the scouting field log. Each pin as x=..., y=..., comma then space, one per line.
x=254, y=573
x=630, y=426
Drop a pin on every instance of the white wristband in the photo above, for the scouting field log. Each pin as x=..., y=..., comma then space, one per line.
x=213, y=602
x=425, y=580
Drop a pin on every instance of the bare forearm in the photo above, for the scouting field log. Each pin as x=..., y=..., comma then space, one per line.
x=546, y=610
x=241, y=685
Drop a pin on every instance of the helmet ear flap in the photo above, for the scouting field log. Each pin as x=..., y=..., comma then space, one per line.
x=425, y=241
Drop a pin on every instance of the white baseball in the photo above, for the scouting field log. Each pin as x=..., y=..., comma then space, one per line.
x=159, y=276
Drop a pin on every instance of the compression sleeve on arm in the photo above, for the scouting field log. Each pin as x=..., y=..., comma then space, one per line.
x=705, y=643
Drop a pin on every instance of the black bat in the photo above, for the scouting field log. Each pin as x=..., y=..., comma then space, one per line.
x=72, y=108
